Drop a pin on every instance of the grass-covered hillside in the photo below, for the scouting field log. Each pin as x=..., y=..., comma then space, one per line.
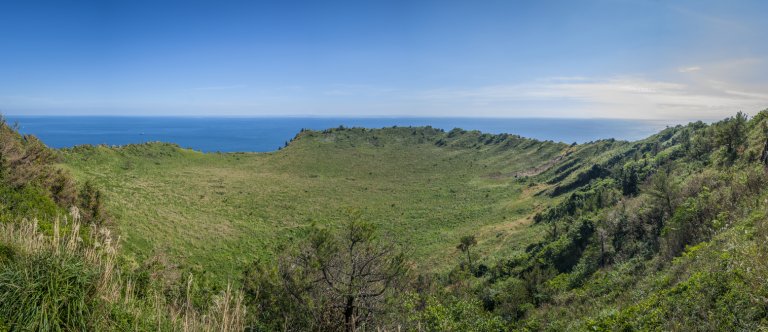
x=215, y=213
x=394, y=229
x=61, y=267
x=666, y=233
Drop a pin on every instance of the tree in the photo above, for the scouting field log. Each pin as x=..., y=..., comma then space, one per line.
x=342, y=279
x=602, y=237
x=92, y=204
x=731, y=135
x=63, y=188
x=664, y=191
x=630, y=180
x=465, y=244
x=270, y=306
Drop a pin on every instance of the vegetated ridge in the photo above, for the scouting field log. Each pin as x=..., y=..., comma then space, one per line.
x=422, y=229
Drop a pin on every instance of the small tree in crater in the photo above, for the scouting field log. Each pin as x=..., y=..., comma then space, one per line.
x=464, y=246
x=342, y=280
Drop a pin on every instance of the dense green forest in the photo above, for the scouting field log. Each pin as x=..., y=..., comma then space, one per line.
x=390, y=229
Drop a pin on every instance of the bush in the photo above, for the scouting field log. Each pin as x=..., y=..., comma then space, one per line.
x=452, y=314
x=26, y=202
x=92, y=203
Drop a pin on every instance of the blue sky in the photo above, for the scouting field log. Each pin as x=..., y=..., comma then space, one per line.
x=676, y=59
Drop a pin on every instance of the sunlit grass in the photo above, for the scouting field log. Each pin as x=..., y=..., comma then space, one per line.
x=72, y=281
x=217, y=212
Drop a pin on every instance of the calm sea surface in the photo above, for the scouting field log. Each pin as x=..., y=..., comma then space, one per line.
x=267, y=134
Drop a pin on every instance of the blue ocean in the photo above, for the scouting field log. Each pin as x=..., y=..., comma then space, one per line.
x=268, y=134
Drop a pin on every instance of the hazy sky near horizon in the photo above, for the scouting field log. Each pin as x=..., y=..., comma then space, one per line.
x=654, y=59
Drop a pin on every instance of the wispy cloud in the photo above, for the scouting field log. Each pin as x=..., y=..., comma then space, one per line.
x=689, y=69
x=619, y=97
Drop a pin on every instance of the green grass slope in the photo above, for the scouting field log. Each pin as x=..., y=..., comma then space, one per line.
x=214, y=213
x=60, y=268
x=665, y=233
x=662, y=234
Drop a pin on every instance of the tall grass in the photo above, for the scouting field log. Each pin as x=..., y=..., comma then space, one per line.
x=71, y=280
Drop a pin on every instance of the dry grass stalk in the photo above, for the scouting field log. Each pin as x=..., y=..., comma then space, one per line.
x=226, y=313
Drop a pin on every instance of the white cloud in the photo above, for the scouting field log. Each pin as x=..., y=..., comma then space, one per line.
x=716, y=90
x=616, y=97
x=689, y=69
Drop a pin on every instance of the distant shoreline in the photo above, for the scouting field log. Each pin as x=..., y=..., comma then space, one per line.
x=265, y=134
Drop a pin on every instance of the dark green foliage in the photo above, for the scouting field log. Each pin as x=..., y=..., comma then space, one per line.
x=718, y=298
x=630, y=180
x=92, y=203
x=731, y=136
x=664, y=192
x=564, y=251
x=63, y=189
x=593, y=173
x=510, y=298
x=465, y=245
x=272, y=307
x=328, y=282
x=590, y=198
x=636, y=244
x=7, y=254
x=26, y=202
x=450, y=313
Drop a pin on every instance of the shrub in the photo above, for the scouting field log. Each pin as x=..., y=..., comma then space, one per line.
x=452, y=314
x=92, y=203
x=26, y=202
